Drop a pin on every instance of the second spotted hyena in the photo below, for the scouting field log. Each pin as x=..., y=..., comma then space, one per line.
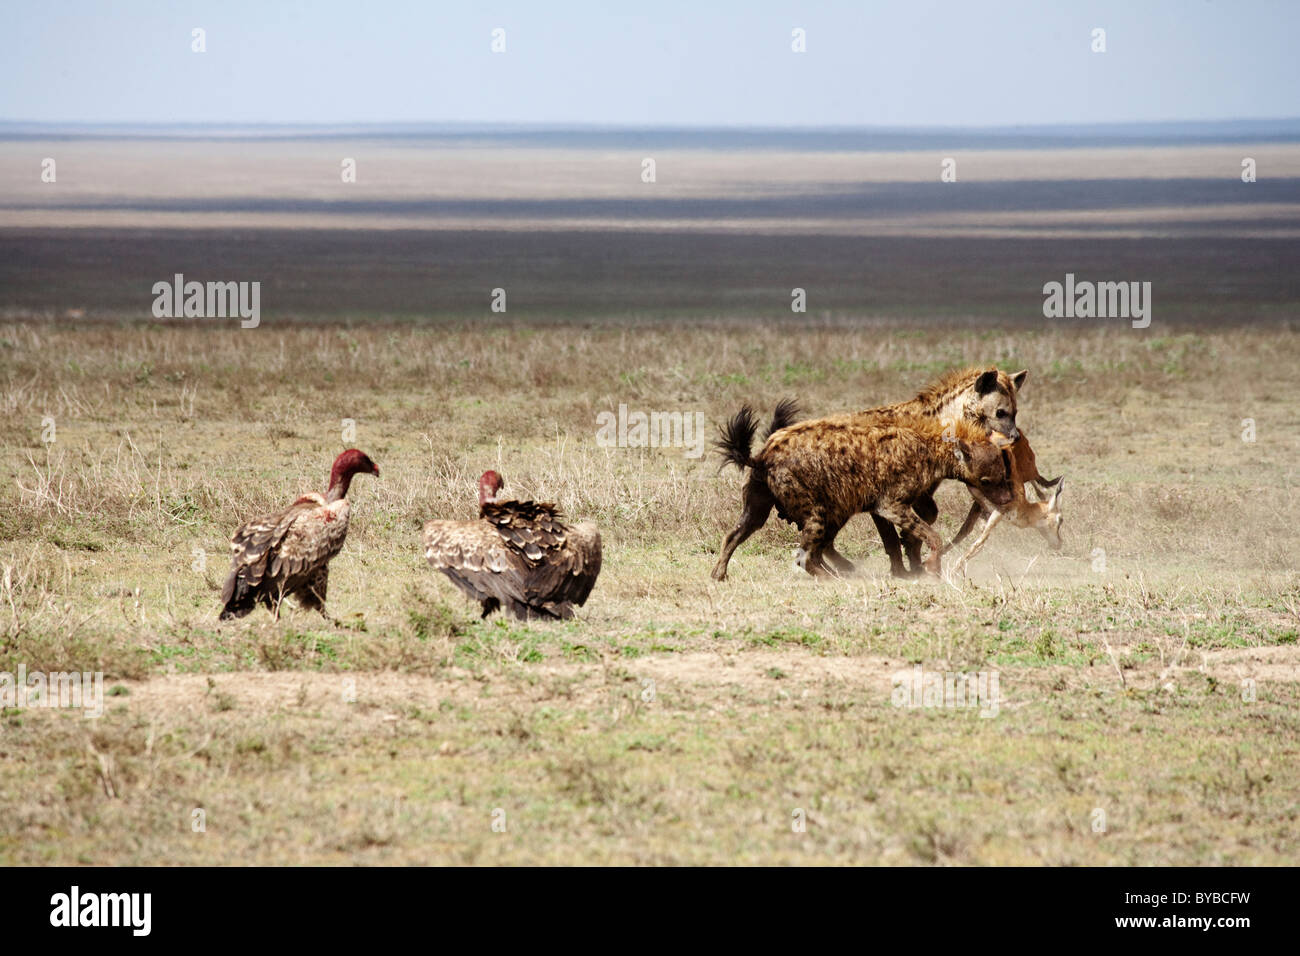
x=819, y=474
x=983, y=397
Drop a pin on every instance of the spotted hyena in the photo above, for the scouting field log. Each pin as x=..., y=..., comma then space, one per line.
x=819, y=474
x=983, y=397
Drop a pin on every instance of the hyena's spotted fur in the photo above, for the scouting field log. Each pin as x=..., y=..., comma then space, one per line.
x=983, y=397
x=819, y=474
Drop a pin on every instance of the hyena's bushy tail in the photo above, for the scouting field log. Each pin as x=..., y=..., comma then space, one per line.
x=736, y=437
x=787, y=413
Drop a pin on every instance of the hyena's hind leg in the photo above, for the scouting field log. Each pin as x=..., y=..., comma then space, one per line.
x=757, y=503
x=902, y=515
x=813, y=542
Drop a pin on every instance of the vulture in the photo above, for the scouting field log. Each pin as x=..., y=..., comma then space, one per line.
x=287, y=554
x=519, y=555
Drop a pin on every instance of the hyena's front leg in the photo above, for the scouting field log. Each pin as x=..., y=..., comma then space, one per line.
x=925, y=509
x=889, y=538
x=841, y=564
x=900, y=513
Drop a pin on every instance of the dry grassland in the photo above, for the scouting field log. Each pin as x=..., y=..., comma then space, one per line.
x=678, y=720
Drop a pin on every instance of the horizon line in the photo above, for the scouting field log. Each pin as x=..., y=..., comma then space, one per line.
x=578, y=126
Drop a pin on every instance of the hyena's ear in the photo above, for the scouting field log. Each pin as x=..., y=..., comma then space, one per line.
x=1018, y=380
x=986, y=382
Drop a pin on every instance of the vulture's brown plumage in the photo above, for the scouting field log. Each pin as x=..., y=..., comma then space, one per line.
x=519, y=555
x=287, y=554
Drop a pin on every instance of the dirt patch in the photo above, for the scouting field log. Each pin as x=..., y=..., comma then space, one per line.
x=1274, y=663
x=387, y=693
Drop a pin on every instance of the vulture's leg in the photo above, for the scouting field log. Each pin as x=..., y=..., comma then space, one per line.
x=490, y=605
x=912, y=547
x=526, y=612
x=842, y=564
x=757, y=502
x=312, y=594
x=273, y=601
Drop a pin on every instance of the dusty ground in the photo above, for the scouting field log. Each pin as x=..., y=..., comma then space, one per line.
x=699, y=757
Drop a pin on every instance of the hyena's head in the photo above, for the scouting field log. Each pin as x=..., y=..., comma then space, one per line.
x=991, y=401
x=987, y=470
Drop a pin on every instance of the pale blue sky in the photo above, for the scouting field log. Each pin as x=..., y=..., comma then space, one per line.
x=649, y=63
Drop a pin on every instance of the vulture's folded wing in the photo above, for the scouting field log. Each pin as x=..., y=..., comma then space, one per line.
x=477, y=561
x=309, y=542
x=532, y=528
x=521, y=553
x=252, y=547
x=274, y=548
x=563, y=561
x=568, y=573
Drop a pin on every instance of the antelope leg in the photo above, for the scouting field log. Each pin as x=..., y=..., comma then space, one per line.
x=979, y=542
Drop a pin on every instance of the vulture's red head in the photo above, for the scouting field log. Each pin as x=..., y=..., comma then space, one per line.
x=351, y=462
x=489, y=486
